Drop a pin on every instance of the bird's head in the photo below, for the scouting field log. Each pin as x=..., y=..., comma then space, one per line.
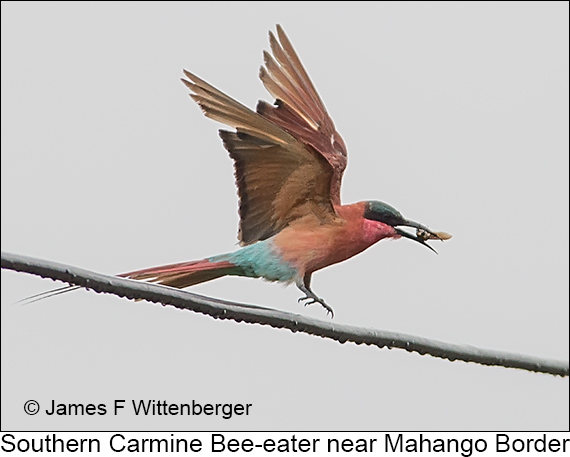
x=386, y=214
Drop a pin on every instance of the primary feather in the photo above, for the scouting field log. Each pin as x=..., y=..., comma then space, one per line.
x=288, y=158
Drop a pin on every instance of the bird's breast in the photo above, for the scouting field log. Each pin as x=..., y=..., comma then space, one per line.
x=312, y=247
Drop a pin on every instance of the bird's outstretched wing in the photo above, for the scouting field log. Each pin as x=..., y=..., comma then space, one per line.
x=298, y=108
x=280, y=179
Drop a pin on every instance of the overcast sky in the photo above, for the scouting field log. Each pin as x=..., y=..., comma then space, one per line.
x=454, y=113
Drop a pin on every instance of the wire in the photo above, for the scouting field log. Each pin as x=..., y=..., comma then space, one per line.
x=221, y=309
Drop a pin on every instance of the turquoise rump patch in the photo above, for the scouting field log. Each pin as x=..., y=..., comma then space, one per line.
x=260, y=260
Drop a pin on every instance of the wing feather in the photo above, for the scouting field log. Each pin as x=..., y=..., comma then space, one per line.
x=279, y=178
x=299, y=109
x=222, y=108
x=276, y=185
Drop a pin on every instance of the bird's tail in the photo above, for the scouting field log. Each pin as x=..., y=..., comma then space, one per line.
x=178, y=275
x=186, y=274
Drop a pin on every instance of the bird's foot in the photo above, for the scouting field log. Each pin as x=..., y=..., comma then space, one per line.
x=314, y=299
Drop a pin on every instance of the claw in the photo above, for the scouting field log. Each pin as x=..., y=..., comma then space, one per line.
x=316, y=299
x=327, y=308
x=310, y=295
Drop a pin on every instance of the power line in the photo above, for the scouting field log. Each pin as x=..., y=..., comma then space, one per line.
x=221, y=309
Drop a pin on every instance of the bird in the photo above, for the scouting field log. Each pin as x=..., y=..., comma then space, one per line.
x=289, y=161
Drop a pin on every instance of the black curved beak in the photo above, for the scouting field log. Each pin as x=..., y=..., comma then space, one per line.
x=422, y=233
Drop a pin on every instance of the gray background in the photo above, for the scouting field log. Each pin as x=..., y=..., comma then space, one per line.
x=455, y=113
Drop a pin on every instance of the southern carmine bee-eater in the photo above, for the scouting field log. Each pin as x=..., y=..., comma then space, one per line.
x=289, y=161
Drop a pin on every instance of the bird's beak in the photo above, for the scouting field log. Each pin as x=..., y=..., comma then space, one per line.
x=422, y=233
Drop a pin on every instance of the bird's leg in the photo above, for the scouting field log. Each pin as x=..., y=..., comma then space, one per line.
x=305, y=287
